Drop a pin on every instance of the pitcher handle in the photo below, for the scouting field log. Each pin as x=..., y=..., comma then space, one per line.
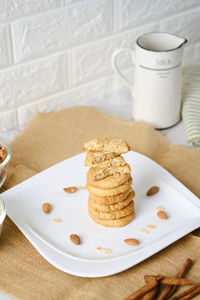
x=114, y=63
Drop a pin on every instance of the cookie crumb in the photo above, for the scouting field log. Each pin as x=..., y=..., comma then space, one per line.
x=144, y=231
x=83, y=188
x=151, y=226
x=57, y=220
x=104, y=250
x=131, y=242
x=160, y=208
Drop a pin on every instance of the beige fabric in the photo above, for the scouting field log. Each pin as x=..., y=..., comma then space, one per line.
x=50, y=138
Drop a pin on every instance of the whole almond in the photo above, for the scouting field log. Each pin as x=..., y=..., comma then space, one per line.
x=70, y=189
x=46, y=207
x=162, y=215
x=75, y=239
x=3, y=154
x=152, y=191
x=131, y=242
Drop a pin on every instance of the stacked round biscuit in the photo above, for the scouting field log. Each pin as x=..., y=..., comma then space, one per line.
x=109, y=182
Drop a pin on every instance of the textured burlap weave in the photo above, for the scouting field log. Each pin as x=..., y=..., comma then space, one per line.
x=50, y=138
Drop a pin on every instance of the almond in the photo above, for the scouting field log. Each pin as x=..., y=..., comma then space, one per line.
x=75, y=239
x=70, y=189
x=46, y=207
x=131, y=242
x=152, y=191
x=3, y=153
x=162, y=215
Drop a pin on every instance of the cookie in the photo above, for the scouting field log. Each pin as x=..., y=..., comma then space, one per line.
x=107, y=144
x=125, y=211
x=118, y=161
x=111, y=207
x=99, y=173
x=114, y=223
x=108, y=182
x=93, y=158
x=112, y=191
x=107, y=200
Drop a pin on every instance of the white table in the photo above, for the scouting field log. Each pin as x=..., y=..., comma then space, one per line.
x=119, y=104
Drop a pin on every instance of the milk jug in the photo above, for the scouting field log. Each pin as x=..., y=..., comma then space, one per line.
x=156, y=87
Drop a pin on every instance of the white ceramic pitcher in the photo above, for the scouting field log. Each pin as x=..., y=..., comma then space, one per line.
x=156, y=89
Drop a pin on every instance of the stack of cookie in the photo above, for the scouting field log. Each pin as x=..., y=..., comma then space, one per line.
x=109, y=182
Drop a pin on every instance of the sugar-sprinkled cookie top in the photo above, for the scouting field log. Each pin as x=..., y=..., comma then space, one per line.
x=107, y=144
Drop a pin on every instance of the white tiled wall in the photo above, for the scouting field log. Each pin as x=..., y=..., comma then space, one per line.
x=56, y=53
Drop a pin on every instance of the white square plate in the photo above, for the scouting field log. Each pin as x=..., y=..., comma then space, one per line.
x=25, y=200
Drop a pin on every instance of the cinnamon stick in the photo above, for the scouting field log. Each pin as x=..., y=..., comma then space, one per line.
x=170, y=280
x=181, y=273
x=165, y=292
x=149, y=278
x=176, y=281
x=151, y=294
x=189, y=293
x=169, y=290
x=142, y=291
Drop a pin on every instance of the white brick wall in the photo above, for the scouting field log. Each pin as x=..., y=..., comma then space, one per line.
x=73, y=97
x=5, y=46
x=56, y=53
x=132, y=13
x=26, y=83
x=14, y=9
x=92, y=61
x=61, y=29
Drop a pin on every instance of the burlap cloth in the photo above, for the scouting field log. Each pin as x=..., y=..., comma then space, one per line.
x=50, y=138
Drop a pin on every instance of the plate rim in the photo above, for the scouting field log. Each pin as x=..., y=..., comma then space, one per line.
x=179, y=233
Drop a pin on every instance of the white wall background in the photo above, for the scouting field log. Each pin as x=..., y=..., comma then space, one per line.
x=56, y=53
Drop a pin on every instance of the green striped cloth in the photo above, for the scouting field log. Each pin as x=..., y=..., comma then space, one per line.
x=191, y=104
